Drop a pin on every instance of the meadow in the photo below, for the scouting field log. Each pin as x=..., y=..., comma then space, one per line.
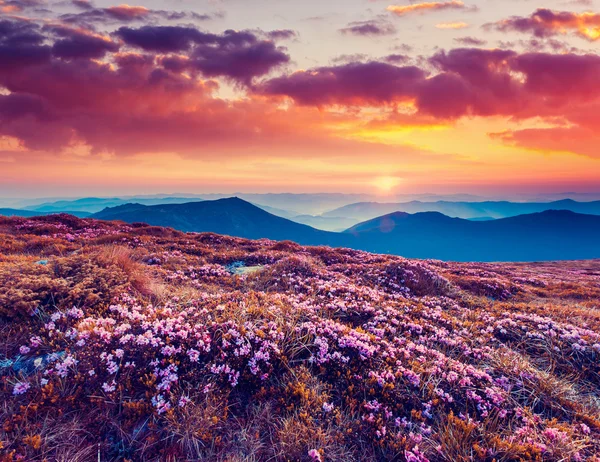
x=134, y=342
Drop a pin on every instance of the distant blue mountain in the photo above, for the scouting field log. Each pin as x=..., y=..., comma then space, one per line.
x=549, y=235
x=469, y=210
x=232, y=216
x=7, y=212
x=96, y=204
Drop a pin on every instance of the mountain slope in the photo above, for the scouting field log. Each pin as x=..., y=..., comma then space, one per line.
x=232, y=216
x=315, y=348
x=549, y=235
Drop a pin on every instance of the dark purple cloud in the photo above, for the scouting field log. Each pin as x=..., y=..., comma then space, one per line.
x=241, y=63
x=468, y=82
x=83, y=46
x=544, y=22
x=560, y=77
x=282, y=34
x=19, y=32
x=397, y=58
x=238, y=55
x=352, y=83
x=32, y=120
x=369, y=28
x=127, y=14
x=57, y=91
x=21, y=44
x=83, y=4
x=473, y=64
x=471, y=41
x=353, y=58
x=163, y=39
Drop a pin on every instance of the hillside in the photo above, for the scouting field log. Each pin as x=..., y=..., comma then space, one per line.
x=550, y=235
x=231, y=216
x=469, y=210
x=142, y=343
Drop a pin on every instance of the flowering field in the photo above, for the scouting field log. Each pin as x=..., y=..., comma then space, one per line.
x=132, y=342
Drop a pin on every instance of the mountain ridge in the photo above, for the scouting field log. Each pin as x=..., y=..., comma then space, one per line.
x=548, y=235
x=468, y=210
x=230, y=216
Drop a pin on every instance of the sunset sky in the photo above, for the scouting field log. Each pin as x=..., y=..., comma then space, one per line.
x=375, y=96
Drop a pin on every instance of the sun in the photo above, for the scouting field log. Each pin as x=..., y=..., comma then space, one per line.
x=385, y=184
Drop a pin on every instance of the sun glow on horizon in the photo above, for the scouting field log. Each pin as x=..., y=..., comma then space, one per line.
x=386, y=184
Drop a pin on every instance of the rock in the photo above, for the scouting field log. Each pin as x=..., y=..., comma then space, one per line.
x=28, y=365
x=240, y=268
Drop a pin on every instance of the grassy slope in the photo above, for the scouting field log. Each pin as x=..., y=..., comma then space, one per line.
x=320, y=355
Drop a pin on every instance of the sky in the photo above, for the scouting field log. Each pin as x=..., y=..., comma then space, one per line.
x=371, y=96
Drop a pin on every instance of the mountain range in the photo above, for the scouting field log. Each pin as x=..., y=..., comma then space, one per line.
x=486, y=210
x=316, y=209
x=548, y=235
x=554, y=234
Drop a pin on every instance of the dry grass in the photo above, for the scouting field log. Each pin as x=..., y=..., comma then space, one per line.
x=340, y=355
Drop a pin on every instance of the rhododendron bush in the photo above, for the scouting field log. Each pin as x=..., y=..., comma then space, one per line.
x=132, y=342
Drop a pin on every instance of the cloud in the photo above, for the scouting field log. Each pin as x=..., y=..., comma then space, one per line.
x=164, y=39
x=452, y=25
x=282, y=34
x=154, y=89
x=370, y=83
x=470, y=41
x=369, y=28
x=83, y=4
x=21, y=45
x=125, y=14
x=17, y=6
x=238, y=55
x=582, y=138
x=396, y=58
x=58, y=93
x=403, y=10
x=547, y=23
x=80, y=44
x=131, y=106
x=468, y=82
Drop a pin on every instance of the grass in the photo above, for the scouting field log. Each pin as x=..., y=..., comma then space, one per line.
x=139, y=343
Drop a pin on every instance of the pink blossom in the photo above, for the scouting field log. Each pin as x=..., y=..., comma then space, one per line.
x=314, y=455
x=21, y=388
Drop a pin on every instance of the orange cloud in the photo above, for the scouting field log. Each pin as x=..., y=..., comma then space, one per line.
x=128, y=12
x=10, y=9
x=402, y=10
x=452, y=25
x=577, y=132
